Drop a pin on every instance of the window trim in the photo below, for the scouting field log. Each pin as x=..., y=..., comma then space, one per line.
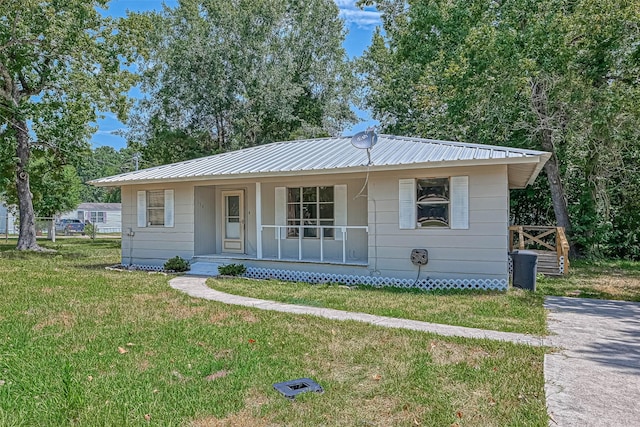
x=168, y=216
x=459, y=199
x=291, y=231
x=155, y=209
x=97, y=218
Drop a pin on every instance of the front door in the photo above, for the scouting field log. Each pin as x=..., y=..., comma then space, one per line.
x=233, y=233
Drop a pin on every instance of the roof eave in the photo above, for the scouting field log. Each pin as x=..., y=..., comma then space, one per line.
x=544, y=158
x=353, y=169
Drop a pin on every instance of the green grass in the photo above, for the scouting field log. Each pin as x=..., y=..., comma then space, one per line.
x=604, y=279
x=80, y=345
x=513, y=311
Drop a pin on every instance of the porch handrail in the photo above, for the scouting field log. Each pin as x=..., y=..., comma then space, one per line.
x=533, y=234
x=563, y=247
x=342, y=228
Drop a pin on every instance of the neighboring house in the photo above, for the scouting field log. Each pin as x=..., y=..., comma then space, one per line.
x=8, y=220
x=319, y=211
x=107, y=217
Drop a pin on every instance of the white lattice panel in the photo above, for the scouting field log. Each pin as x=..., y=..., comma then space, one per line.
x=377, y=281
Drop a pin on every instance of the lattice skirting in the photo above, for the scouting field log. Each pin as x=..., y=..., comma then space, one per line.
x=561, y=265
x=142, y=267
x=425, y=284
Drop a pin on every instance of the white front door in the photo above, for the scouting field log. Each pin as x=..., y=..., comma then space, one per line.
x=233, y=232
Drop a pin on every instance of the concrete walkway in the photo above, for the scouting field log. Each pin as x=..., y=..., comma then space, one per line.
x=595, y=379
x=592, y=380
x=196, y=287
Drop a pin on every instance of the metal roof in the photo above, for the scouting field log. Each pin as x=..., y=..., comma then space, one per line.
x=88, y=206
x=337, y=155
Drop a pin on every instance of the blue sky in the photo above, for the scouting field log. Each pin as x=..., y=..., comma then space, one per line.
x=359, y=23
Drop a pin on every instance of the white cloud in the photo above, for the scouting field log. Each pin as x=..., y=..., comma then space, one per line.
x=352, y=14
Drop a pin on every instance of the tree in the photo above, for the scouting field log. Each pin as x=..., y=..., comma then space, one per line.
x=60, y=63
x=554, y=75
x=226, y=74
x=101, y=162
x=55, y=188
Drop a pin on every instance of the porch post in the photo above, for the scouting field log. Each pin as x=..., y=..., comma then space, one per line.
x=259, y=220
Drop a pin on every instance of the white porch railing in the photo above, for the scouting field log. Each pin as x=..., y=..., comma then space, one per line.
x=281, y=234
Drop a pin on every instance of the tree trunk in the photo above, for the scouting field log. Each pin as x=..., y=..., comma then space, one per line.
x=27, y=237
x=558, y=196
x=539, y=104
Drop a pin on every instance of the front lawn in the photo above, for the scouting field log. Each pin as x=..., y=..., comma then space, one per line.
x=513, y=311
x=84, y=346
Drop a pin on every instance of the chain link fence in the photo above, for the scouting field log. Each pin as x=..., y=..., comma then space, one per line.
x=46, y=228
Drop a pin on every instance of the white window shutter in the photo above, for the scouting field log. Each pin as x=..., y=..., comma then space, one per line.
x=142, y=208
x=281, y=210
x=407, y=206
x=459, y=202
x=168, y=208
x=339, y=208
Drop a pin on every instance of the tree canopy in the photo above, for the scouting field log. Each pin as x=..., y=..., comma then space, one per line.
x=561, y=76
x=60, y=63
x=222, y=74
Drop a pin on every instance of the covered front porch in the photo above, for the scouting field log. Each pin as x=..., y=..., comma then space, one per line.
x=249, y=222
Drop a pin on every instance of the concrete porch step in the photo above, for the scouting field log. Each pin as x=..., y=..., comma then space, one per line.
x=204, y=269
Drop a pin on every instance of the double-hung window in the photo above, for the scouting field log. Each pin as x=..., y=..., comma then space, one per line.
x=308, y=208
x=98, y=217
x=155, y=208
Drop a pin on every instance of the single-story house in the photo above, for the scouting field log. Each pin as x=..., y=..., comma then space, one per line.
x=107, y=217
x=322, y=210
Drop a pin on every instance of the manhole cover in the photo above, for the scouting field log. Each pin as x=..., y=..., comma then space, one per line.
x=290, y=389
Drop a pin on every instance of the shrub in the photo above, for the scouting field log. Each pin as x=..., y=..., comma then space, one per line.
x=232, y=270
x=90, y=230
x=176, y=264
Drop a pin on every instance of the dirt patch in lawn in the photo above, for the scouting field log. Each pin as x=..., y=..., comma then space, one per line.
x=446, y=353
x=249, y=416
x=64, y=320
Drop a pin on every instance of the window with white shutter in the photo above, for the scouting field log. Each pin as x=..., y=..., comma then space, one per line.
x=434, y=202
x=156, y=208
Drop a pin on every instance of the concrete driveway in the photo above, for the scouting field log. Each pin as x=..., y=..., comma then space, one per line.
x=594, y=378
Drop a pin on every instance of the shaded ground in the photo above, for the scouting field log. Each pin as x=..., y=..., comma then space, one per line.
x=595, y=379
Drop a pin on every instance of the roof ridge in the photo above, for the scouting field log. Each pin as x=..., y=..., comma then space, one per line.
x=460, y=144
